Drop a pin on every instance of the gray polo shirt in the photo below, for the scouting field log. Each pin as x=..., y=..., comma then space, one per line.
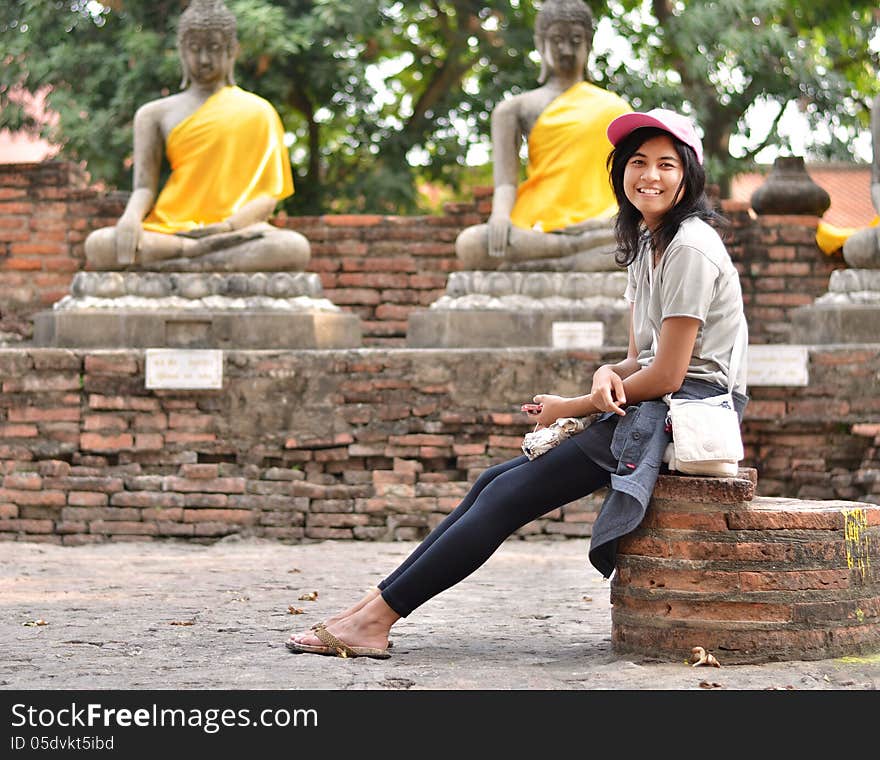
x=695, y=278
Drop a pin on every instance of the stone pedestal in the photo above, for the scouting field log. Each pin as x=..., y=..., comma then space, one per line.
x=848, y=313
x=508, y=309
x=207, y=310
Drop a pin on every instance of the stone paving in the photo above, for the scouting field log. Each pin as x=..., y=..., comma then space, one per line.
x=173, y=615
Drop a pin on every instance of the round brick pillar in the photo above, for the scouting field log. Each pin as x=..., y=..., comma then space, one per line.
x=749, y=579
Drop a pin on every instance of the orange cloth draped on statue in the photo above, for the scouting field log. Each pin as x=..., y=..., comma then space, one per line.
x=227, y=153
x=566, y=178
x=830, y=238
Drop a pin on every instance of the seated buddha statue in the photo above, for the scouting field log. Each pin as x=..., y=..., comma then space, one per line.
x=861, y=246
x=563, y=211
x=228, y=169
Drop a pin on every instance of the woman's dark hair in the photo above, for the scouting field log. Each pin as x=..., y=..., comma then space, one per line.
x=628, y=224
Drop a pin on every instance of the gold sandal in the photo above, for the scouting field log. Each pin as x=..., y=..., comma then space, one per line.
x=336, y=647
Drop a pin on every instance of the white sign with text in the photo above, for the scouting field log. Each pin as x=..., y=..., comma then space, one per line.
x=184, y=369
x=578, y=334
x=778, y=365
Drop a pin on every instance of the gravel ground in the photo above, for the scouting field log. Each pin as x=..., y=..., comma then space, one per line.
x=171, y=615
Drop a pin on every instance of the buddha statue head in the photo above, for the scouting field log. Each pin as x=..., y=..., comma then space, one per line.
x=207, y=25
x=568, y=15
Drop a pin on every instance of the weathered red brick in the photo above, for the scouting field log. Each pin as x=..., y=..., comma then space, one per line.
x=44, y=414
x=28, y=526
x=108, y=422
x=199, y=471
x=230, y=516
x=111, y=364
x=36, y=498
x=18, y=431
x=213, y=485
x=100, y=513
x=123, y=528
x=28, y=481
x=87, y=499
x=8, y=511
x=97, y=442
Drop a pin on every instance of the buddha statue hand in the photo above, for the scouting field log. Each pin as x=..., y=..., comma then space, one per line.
x=128, y=239
x=499, y=236
x=207, y=230
x=588, y=225
x=221, y=240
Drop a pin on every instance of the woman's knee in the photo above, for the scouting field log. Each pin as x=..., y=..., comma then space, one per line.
x=492, y=472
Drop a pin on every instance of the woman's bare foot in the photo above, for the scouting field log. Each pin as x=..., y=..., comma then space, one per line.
x=366, y=627
x=371, y=594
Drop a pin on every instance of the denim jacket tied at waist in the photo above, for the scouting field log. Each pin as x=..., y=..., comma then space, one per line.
x=637, y=445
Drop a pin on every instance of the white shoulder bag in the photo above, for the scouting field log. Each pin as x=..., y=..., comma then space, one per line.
x=706, y=435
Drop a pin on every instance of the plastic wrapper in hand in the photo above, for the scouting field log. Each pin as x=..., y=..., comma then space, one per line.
x=541, y=441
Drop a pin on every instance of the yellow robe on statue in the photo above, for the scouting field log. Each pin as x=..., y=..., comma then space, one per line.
x=830, y=238
x=227, y=153
x=566, y=178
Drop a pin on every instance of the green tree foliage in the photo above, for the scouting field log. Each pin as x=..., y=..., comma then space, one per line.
x=99, y=65
x=380, y=93
x=719, y=58
x=363, y=87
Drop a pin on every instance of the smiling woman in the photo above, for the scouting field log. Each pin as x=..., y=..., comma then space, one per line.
x=686, y=311
x=653, y=178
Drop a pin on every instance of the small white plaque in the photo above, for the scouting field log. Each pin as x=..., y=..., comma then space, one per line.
x=778, y=365
x=578, y=334
x=184, y=369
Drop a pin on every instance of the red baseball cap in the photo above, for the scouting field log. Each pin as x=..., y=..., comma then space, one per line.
x=670, y=121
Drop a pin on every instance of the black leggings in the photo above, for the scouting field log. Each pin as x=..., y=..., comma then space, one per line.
x=504, y=498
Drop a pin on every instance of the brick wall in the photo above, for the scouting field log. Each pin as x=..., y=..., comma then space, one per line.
x=45, y=212
x=356, y=444
x=363, y=444
x=379, y=267
x=780, y=266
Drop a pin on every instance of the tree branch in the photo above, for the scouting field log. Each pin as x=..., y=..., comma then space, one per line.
x=301, y=102
x=750, y=155
x=446, y=76
x=662, y=10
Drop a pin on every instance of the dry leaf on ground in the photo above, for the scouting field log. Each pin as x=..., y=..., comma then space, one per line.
x=702, y=657
x=291, y=610
x=310, y=597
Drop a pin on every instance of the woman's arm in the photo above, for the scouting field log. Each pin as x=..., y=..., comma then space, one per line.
x=611, y=391
x=666, y=373
x=608, y=391
x=607, y=386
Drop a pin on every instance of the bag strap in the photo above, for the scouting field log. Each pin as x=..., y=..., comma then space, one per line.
x=735, y=353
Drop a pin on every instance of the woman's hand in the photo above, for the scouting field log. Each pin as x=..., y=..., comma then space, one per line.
x=552, y=408
x=607, y=392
